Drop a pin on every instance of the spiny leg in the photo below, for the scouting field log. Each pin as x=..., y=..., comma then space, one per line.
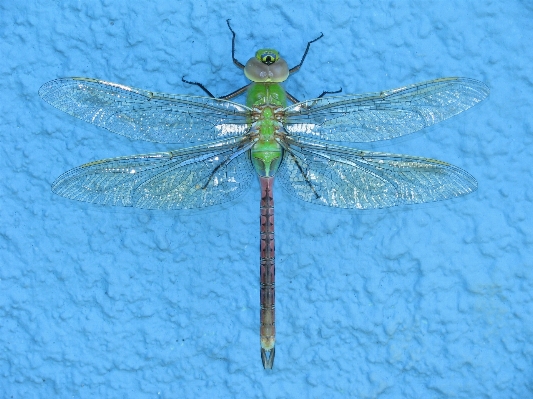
x=295, y=100
x=236, y=93
x=300, y=167
x=236, y=62
x=297, y=67
x=226, y=97
x=243, y=147
x=291, y=97
x=201, y=86
x=330, y=92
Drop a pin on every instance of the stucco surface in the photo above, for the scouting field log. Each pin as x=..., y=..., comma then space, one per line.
x=425, y=301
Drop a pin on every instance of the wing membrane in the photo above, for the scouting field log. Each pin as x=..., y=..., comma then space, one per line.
x=190, y=178
x=146, y=115
x=383, y=115
x=347, y=178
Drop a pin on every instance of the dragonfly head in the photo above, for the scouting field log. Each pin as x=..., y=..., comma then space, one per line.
x=266, y=66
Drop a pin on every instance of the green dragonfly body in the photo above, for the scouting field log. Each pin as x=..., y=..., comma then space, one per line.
x=268, y=138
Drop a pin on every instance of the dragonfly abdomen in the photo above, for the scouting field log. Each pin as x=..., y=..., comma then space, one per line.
x=267, y=272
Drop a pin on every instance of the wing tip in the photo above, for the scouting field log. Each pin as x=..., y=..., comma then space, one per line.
x=477, y=85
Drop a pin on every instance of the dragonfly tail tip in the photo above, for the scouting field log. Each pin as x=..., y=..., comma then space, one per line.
x=267, y=357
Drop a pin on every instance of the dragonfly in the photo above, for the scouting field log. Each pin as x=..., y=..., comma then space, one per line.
x=271, y=136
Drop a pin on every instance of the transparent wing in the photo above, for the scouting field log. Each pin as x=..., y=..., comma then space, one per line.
x=384, y=115
x=146, y=115
x=348, y=178
x=190, y=178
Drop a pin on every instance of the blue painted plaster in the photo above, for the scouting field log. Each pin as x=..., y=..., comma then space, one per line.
x=427, y=301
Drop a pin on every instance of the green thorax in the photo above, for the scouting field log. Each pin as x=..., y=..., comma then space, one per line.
x=265, y=98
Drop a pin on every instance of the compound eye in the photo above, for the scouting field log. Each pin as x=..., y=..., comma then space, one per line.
x=267, y=56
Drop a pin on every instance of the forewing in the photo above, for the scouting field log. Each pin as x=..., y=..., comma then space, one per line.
x=348, y=178
x=190, y=178
x=146, y=115
x=383, y=115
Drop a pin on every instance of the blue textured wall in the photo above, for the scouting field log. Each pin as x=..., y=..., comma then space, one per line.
x=428, y=301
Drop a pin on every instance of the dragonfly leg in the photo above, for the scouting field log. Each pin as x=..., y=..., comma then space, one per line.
x=243, y=147
x=300, y=168
x=235, y=61
x=292, y=98
x=201, y=86
x=295, y=100
x=330, y=92
x=226, y=97
x=297, y=67
x=235, y=93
